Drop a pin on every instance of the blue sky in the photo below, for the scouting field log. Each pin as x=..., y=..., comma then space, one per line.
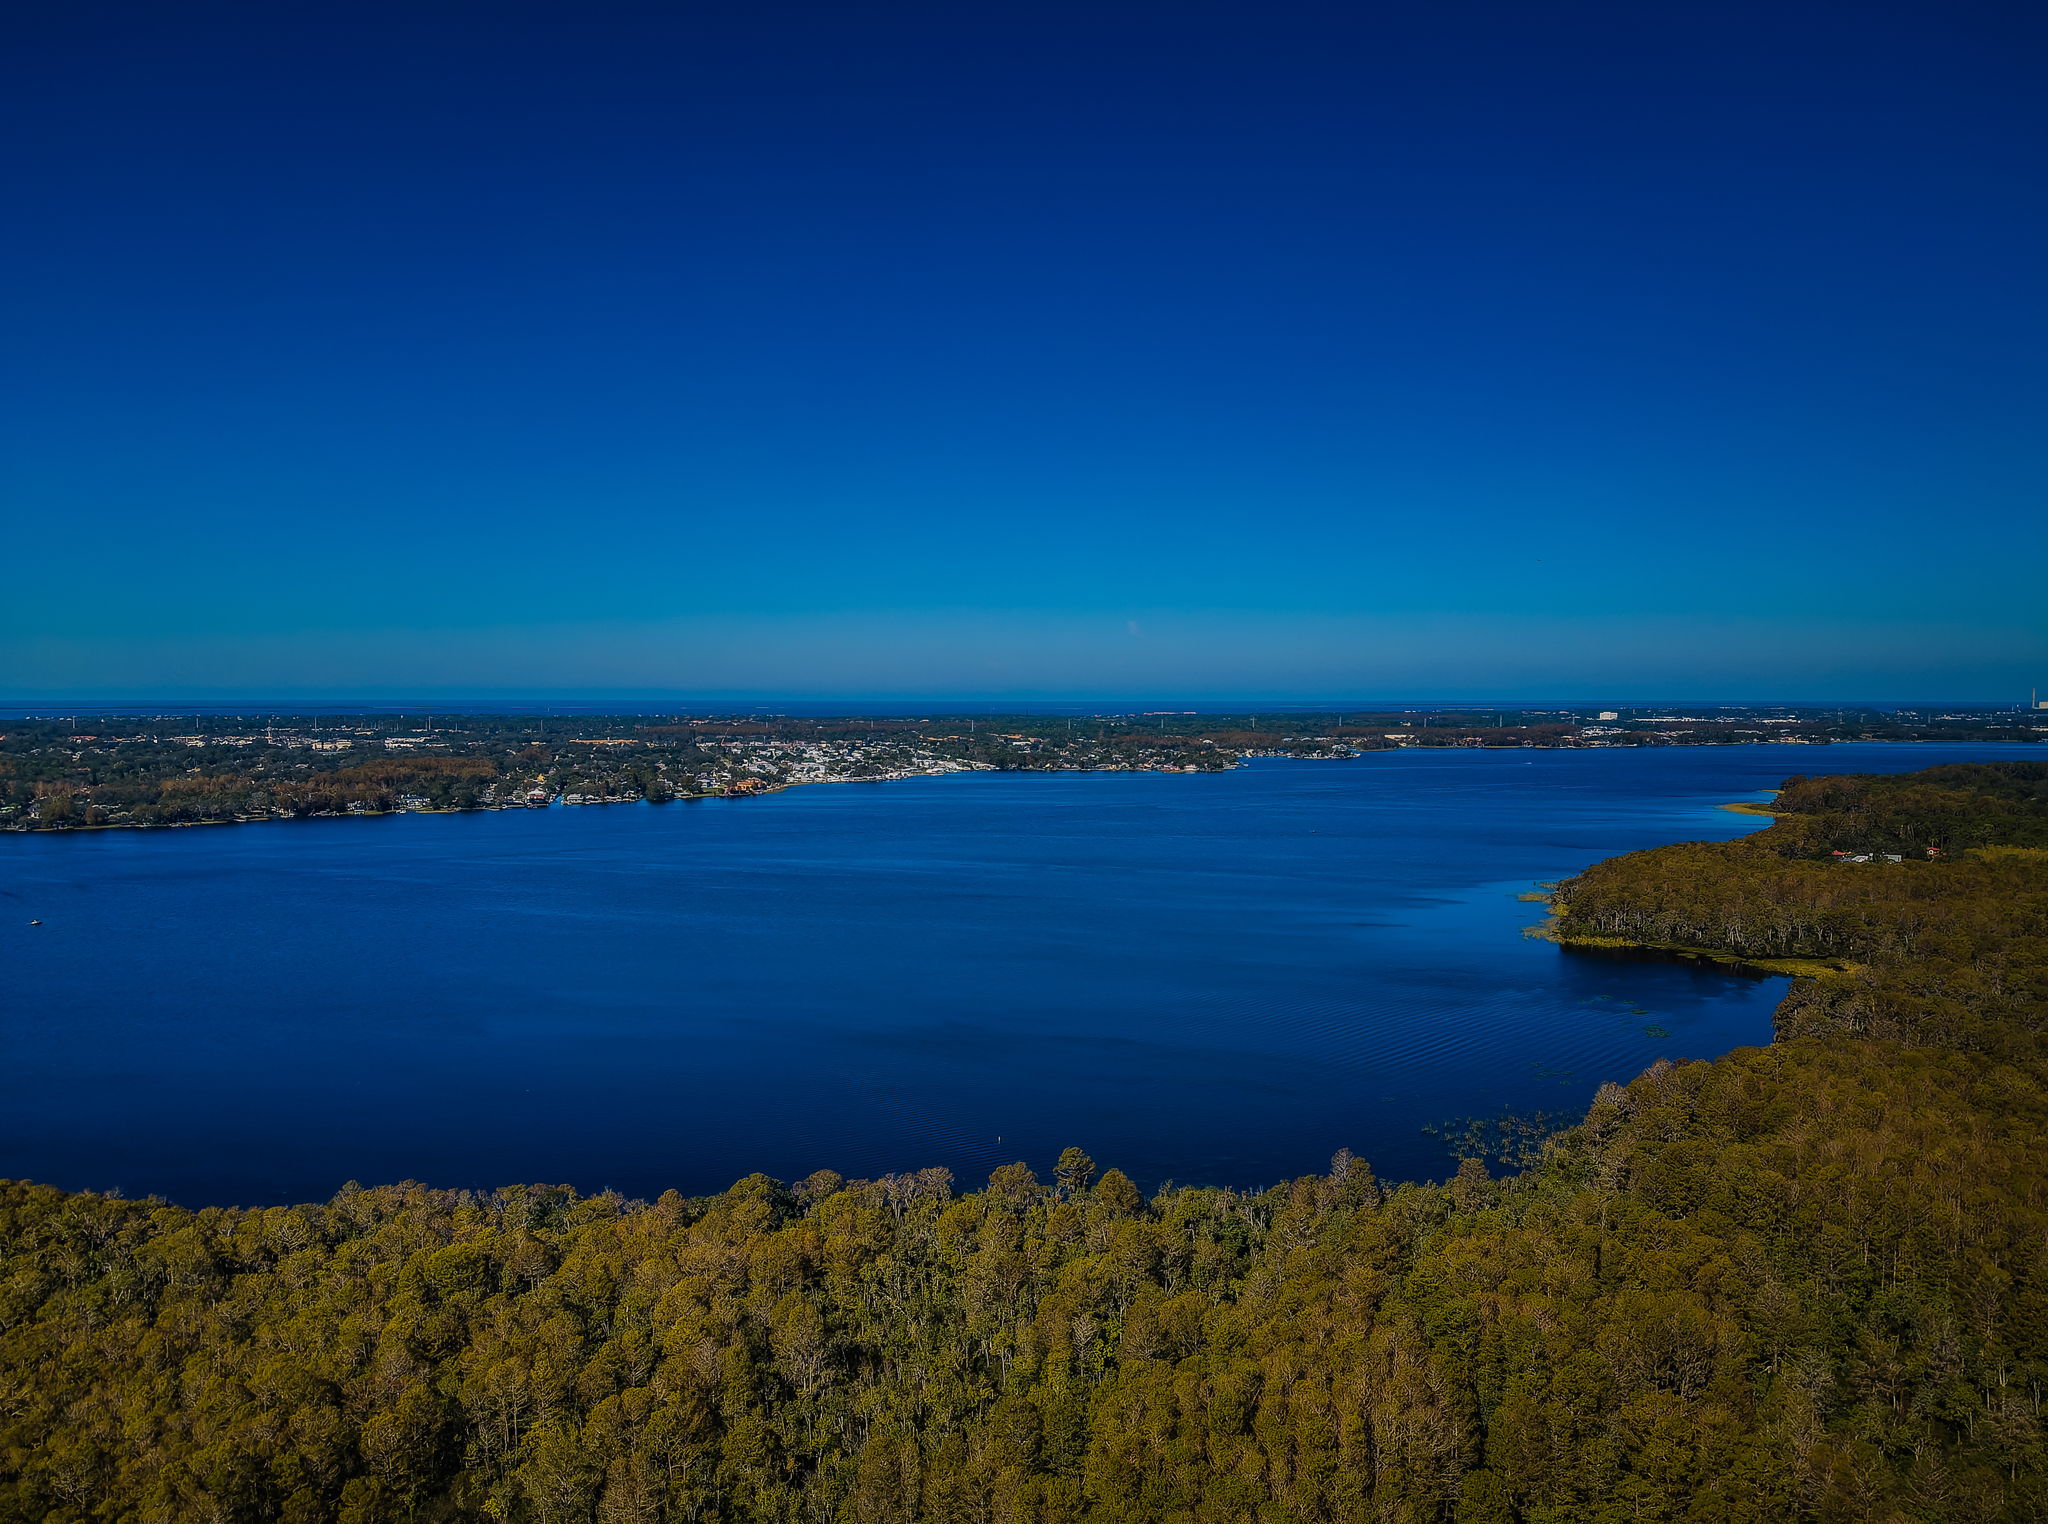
x=975, y=350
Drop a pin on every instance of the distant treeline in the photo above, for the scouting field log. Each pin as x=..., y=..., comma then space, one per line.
x=133, y=772
x=1803, y=1282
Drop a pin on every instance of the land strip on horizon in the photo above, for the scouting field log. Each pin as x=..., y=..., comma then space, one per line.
x=139, y=770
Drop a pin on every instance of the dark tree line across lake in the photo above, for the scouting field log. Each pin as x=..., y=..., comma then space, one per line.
x=76, y=773
x=1801, y=1282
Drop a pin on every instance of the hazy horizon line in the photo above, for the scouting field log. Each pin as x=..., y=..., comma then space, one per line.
x=498, y=698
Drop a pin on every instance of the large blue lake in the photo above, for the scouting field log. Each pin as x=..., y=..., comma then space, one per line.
x=1214, y=978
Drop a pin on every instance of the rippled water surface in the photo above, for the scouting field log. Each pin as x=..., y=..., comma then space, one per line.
x=1217, y=978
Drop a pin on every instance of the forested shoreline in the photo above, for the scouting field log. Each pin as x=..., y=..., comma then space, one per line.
x=1801, y=1282
x=135, y=772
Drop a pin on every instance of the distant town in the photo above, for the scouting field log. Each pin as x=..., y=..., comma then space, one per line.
x=61, y=772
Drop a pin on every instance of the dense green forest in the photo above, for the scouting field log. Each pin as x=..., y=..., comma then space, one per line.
x=1802, y=1282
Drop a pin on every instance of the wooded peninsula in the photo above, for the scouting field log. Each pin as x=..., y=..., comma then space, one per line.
x=1807, y=1281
